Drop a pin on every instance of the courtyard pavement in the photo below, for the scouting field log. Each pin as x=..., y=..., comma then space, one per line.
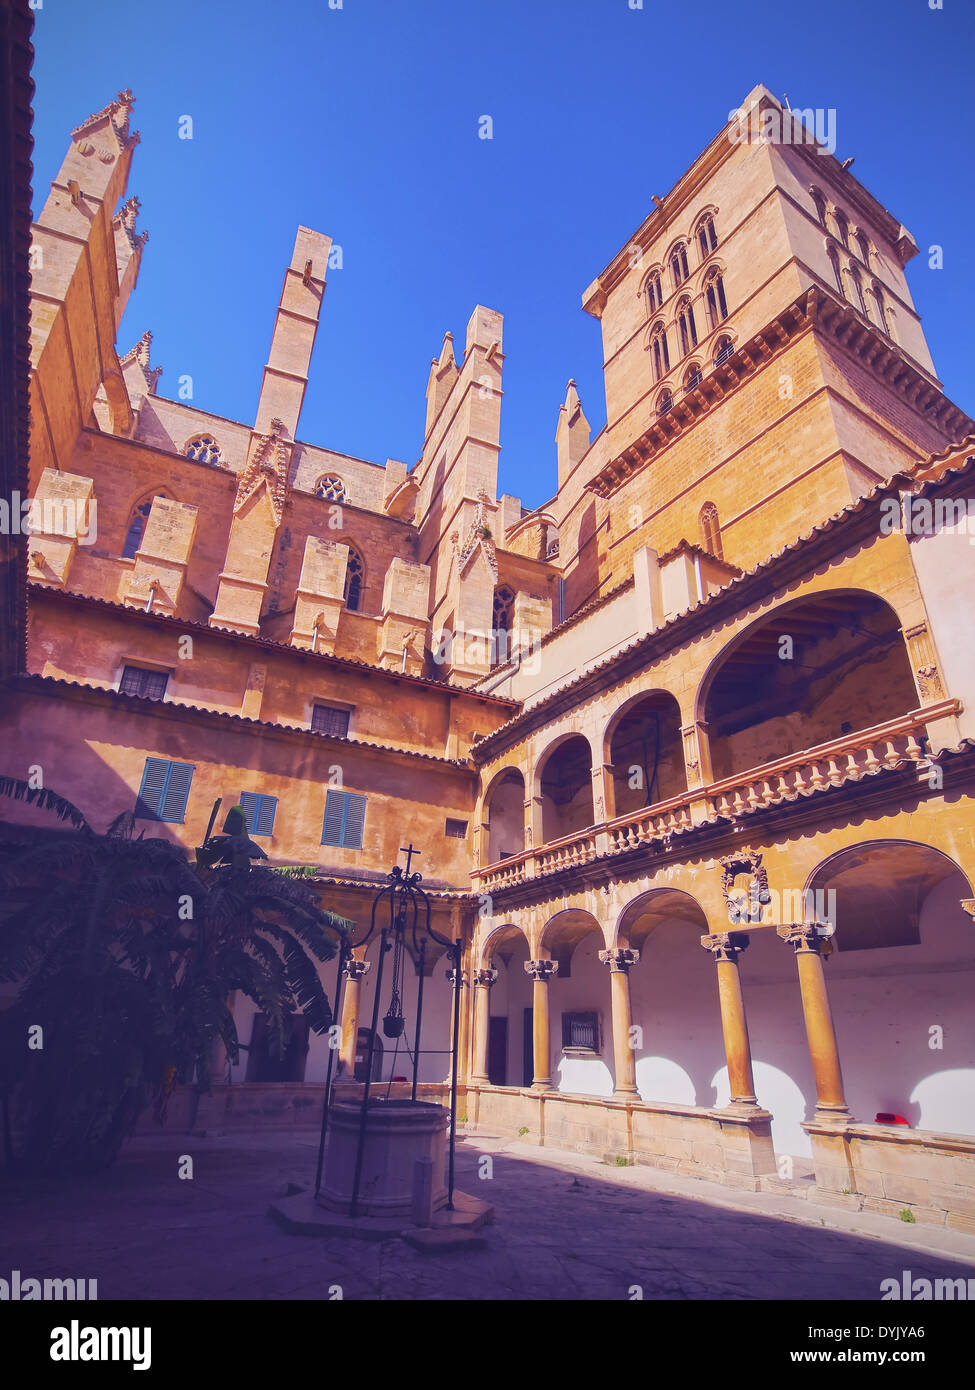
x=566, y=1227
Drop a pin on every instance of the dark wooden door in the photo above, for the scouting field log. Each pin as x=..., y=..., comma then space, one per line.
x=498, y=1051
x=528, y=1047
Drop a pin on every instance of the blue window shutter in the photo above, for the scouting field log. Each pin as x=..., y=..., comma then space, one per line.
x=155, y=777
x=259, y=811
x=177, y=792
x=267, y=805
x=355, y=815
x=345, y=814
x=333, y=823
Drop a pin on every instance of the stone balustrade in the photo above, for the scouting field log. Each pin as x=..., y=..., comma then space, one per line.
x=851, y=758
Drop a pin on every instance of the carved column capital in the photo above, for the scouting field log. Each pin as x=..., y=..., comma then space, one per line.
x=807, y=938
x=449, y=976
x=726, y=945
x=485, y=978
x=355, y=969
x=541, y=969
x=620, y=958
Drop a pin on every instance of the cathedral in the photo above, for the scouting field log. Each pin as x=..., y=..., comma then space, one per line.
x=688, y=752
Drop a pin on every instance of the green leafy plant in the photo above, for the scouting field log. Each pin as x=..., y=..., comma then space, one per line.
x=523, y=1130
x=908, y=1215
x=125, y=956
x=622, y=1161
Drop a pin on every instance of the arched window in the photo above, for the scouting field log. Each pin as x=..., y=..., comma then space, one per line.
x=858, y=286
x=842, y=227
x=819, y=202
x=864, y=246
x=137, y=528
x=878, y=295
x=692, y=378
x=715, y=302
x=707, y=237
x=331, y=488
x=659, y=352
x=504, y=609
x=353, y=581
x=655, y=294
x=834, y=261
x=665, y=403
x=686, y=327
x=678, y=264
x=710, y=529
x=723, y=350
x=204, y=449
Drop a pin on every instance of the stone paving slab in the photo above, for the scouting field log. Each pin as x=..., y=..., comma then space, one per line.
x=565, y=1227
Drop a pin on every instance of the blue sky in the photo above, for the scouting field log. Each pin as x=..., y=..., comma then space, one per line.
x=362, y=122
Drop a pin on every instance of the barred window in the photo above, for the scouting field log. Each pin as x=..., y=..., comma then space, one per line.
x=150, y=685
x=329, y=719
x=580, y=1031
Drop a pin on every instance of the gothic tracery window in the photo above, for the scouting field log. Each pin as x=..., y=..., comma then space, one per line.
x=137, y=527
x=665, y=403
x=353, y=581
x=710, y=529
x=659, y=352
x=655, y=295
x=723, y=350
x=707, y=237
x=714, y=300
x=686, y=327
x=834, y=261
x=678, y=264
x=204, y=449
x=878, y=295
x=331, y=488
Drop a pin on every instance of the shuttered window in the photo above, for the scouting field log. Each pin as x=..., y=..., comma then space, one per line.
x=150, y=684
x=345, y=814
x=259, y=812
x=165, y=790
x=326, y=719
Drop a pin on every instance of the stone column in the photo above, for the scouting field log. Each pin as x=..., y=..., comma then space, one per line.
x=808, y=944
x=541, y=972
x=483, y=980
x=619, y=960
x=726, y=947
x=354, y=970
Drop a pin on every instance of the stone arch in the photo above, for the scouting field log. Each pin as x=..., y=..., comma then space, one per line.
x=653, y=718
x=580, y=1008
x=502, y=817
x=786, y=680
x=562, y=786
x=677, y=1038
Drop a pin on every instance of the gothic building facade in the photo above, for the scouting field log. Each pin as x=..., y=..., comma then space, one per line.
x=687, y=750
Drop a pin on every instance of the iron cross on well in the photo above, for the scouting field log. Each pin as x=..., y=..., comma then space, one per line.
x=409, y=851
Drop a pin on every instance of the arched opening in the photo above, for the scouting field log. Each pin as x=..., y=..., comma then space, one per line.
x=901, y=982
x=137, y=527
x=354, y=574
x=715, y=303
x=203, y=448
x=645, y=750
x=504, y=816
x=710, y=529
x=331, y=488
x=565, y=787
x=809, y=672
x=510, y=1050
x=581, y=1023
x=677, y=1035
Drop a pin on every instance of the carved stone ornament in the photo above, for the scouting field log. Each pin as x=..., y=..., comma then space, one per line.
x=745, y=907
x=541, y=969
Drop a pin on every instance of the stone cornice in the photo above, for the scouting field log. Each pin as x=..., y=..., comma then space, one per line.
x=813, y=310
